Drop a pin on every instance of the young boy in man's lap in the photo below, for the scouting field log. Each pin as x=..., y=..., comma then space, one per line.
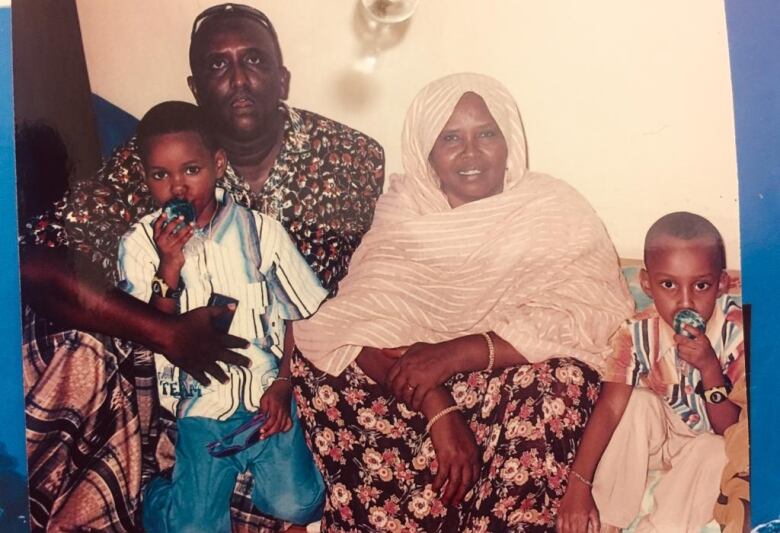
x=232, y=254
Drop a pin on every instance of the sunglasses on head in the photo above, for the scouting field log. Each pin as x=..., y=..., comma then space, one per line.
x=240, y=9
x=241, y=438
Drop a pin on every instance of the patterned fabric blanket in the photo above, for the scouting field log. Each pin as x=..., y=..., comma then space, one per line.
x=83, y=433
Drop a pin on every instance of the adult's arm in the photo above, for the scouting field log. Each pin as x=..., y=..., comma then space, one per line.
x=424, y=366
x=70, y=294
x=86, y=226
x=456, y=449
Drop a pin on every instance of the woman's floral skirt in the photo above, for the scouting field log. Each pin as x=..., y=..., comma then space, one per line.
x=379, y=464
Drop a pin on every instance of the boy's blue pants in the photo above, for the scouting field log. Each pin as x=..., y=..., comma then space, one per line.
x=287, y=484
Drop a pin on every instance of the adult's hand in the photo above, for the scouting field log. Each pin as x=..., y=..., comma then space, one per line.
x=76, y=297
x=457, y=455
x=577, y=512
x=194, y=344
x=422, y=367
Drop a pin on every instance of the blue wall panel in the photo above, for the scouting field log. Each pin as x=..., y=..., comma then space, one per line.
x=13, y=471
x=754, y=45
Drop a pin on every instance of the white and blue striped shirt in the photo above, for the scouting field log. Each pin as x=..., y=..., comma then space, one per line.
x=244, y=255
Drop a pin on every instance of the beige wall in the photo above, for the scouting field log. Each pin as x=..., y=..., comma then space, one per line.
x=627, y=100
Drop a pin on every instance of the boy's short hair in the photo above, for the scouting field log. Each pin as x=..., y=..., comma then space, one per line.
x=174, y=117
x=685, y=226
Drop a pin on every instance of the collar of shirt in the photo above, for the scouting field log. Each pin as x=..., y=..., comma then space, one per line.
x=269, y=199
x=296, y=141
x=224, y=201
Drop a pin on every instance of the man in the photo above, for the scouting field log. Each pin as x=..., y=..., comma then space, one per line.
x=89, y=397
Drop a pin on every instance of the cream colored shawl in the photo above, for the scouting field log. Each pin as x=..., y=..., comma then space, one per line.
x=532, y=264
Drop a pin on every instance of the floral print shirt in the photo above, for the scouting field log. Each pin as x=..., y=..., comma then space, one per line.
x=323, y=189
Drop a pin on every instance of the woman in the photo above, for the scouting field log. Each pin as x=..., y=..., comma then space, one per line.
x=476, y=311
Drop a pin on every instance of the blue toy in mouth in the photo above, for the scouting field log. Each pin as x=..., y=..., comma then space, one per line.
x=691, y=318
x=176, y=207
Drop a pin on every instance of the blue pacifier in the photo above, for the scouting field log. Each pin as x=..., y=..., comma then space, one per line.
x=691, y=318
x=176, y=207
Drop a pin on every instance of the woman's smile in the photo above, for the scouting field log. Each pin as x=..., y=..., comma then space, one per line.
x=469, y=173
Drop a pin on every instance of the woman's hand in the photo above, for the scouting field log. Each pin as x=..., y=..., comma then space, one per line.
x=457, y=455
x=421, y=368
x=275, y=405
x=577, y=512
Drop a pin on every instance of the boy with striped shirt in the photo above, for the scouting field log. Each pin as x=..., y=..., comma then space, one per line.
x=232, y=252
x=664, y=402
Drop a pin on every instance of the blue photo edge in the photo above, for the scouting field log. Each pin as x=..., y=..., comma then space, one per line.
x=13, y=459
x=755, y=67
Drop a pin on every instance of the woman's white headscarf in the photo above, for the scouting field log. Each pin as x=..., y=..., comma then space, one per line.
x=428, y=114
x=533, y=263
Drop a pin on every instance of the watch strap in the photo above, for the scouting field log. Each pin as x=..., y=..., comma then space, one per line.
x=716, y=395
x=699, y=389
x=161, y=288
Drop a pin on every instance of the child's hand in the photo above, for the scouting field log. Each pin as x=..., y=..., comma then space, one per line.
x=169, y=241
x=275, y=405
x=696, y=351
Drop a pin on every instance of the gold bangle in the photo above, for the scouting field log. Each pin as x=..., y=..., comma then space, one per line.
x=581, y=478
x=435, y=418
x=491, y=353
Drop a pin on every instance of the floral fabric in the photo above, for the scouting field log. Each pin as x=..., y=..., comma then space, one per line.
x=379, y=464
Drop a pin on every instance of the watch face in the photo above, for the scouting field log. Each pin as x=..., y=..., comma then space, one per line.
x=717, y=397
x=156, y=288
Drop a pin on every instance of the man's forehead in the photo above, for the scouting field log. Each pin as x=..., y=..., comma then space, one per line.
x=230, y=28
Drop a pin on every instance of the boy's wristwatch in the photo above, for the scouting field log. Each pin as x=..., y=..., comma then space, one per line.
x=161, y=289
x=716, y=395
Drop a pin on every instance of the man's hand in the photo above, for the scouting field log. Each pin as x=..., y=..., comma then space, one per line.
x=192, y=343
x=57, y=290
